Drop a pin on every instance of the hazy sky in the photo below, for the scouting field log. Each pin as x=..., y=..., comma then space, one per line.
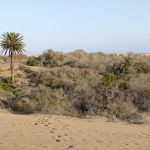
x=65, y=25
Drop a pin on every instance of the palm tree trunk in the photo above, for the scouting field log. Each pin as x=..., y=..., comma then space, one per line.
x=12, y=67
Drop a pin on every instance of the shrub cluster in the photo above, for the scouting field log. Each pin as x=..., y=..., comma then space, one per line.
x=84, y=84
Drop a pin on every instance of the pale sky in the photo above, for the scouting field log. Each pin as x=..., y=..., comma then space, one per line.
x=111, y=26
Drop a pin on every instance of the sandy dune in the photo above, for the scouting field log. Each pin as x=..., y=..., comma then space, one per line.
x=43, y=132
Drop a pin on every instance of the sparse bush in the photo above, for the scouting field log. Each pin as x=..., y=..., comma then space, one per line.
x=140, y=91
x=24, y=105
x=4, y=95
x=145, y=67
x=52, y=59
x=121, y=109
x=42, y=100
x=123, y=85
x=34, y=78
x=70, y=63
x=25, y=69
x=86, y=99
x=33, y=61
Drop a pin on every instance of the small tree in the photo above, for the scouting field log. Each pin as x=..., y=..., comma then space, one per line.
x=126, y=65
x=12, y=43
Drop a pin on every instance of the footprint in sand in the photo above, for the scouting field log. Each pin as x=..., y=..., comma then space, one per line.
x=52, y=132
x=53, y=129
x=4, y=136
x=136, y=143
x=70, y=147
x=84, y=140
x=71, y=138
x=59, y=136
x=57, y=140
x=1, y=143
x=99, y=141
x=65, y=134
x=44, y=146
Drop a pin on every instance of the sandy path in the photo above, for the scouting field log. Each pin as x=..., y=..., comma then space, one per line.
x=43, y=132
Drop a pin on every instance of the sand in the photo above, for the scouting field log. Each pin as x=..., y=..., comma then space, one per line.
x=49, y=132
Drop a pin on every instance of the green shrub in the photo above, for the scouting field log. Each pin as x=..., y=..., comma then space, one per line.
x=6, y=85
x=53, y=83
x=108, y=79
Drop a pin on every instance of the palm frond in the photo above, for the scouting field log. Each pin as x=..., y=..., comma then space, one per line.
x=12, y=42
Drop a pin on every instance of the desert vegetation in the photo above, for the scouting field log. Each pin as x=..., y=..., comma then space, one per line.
x=78, y=84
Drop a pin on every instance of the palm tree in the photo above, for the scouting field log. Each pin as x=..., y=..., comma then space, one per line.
x=12, y=43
